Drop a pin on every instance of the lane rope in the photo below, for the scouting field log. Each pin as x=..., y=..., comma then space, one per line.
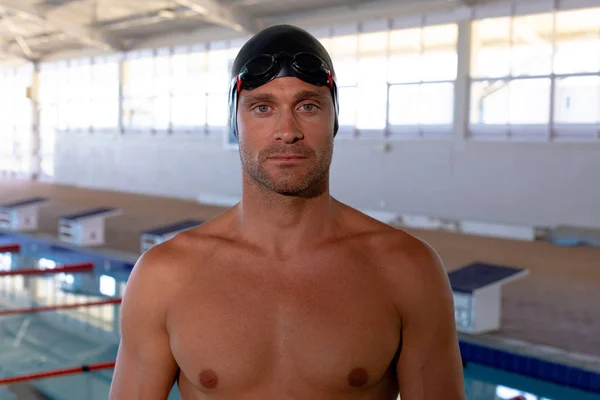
x=69, y=268
x=32, y=310
x=59, y=372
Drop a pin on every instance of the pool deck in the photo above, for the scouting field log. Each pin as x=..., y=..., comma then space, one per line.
x=553, y=313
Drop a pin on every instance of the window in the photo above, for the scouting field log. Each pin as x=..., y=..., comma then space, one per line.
x=422, y=104
x=511, y=48
x=405, y=104
x=405, y=56
x=529, y=101
x=489, y=102
x=105, y=94
x=423, y=65
x=371, y=81
x=189, y=110
x=198, y=64
x=216, y=82
x=188, y=107
x=217, y=111
x=577, y=100
x=49, y=90
x=138, y=113
x=139, y=91
x=162, y=75
x=139, y=77
x=531, y=47
x=201, y=82
x=439, y=58
x=78, y=95
x=343, y=50
x=216, y=75
x=178, y=90
x=181, y=71
x=395, y=80
x=16, y=118
x=511, y=102
x=347, y=106
x=577, y=51
x=161, y=94
x=7, y=123
x=533, y=73
x=48, y=127
x=577, y=42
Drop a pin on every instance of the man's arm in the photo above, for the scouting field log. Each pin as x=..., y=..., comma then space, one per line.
x=145, y=367
x=429, y=366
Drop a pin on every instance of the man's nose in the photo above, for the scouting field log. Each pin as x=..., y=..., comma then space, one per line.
x=288, y=129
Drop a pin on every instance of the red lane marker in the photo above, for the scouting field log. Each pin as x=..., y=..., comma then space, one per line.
x=58, y=372
x=71, y=268
x=58, y=307
x=10, y=248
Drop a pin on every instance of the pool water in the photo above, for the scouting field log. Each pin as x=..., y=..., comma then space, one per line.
x=484, y=383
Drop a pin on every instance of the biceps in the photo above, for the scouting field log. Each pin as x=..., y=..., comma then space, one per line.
x=145, y=367
x=429, y=366
x=430, y=374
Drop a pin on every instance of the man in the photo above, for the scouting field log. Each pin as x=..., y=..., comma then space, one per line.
x=290, y=294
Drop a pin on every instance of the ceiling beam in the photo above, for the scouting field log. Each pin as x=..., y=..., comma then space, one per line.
x=362, y=10
x=15, y=32
x=7, y=53
x=88, y=36
x=219, y=14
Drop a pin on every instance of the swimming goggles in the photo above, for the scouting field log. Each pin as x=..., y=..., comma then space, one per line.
x=263, y=68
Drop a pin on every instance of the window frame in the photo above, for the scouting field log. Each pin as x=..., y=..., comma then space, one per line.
x=553, y=130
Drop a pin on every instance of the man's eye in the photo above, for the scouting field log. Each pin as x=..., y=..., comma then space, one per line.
x=309, y=107
x=262, y=108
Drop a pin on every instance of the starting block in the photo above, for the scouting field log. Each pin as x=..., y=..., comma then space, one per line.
x=156, y=236
x=21, y=216
x=574, y=236
x=477, y=295
x=85, y=228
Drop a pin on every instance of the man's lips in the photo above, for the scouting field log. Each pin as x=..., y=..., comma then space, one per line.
x=287, y=157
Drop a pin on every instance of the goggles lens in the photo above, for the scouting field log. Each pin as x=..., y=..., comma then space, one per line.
x=258, y=66
x=309, y=63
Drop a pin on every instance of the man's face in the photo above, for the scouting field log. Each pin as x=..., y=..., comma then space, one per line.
x=286, y=135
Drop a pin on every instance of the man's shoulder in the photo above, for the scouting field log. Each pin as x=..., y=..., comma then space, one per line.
x=414, y=273
x=397, y=245
x=410, y=266
x=390, y=243
x=186, y=247
x=401, y=254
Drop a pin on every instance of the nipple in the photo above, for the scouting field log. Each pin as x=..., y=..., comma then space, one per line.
x=358, y=377
x=209, y=379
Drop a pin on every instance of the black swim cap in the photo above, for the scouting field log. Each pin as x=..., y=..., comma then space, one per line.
x=274, y=40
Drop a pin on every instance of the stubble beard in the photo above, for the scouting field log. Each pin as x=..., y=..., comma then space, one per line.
x=291, y=180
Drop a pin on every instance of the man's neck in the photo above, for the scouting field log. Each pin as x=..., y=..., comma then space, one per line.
x=284, y=224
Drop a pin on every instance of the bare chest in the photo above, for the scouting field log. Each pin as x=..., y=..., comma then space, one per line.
x=238, y=328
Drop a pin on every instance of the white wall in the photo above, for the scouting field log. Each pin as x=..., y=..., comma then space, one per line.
x=524, y=183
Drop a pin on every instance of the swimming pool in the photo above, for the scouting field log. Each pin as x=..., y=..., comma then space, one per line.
x=485, y=383
x=59, y=339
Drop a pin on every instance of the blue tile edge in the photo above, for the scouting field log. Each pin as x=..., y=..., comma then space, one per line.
x=530, y=366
